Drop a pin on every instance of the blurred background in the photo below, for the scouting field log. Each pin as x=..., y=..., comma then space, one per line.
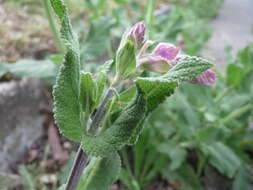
x=201, y=138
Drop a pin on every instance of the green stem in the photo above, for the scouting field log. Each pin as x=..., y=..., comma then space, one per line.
x=52, y=25
x=82, y=159
x=100, y=113
x=149, y=17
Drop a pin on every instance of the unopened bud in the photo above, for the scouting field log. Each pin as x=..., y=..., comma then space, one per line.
x=137, y=33
x=125, y=60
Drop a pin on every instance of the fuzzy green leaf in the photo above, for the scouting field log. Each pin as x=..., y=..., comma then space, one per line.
x=101, y=173
x=66, y=91
x=158, y=88
x=115, y=137
x=68, y=36
x=187, y=68
x=156, y=91
x=67, y=107
x=88, y=92
x=223, y=158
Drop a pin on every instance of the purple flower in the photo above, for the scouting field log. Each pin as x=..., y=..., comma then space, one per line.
x=170, y=53
x=206, y=78
x=161, y=59
x=166, y=50
x=155, y=63
x=137, y=32
x=165, y=56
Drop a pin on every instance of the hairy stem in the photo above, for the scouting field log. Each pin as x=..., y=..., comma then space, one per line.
x=51, y=22
x=81, y=159
x=80, y=162
x=100, y=113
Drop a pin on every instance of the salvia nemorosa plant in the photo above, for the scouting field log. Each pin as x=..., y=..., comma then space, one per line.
x=104, y=120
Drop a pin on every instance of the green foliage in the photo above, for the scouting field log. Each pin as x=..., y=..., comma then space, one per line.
x=87, y=92
x=158, y=88
x=97, y=41
x=176, y=154
x=239, y=69
x=101, y=173
x=66, y=91
x=185, y=175
x=114, y=138
x=45, y=69
x=222, y=158
x=200, y=128
x=183, y=26
x=67, y=106
x=242, y=180
x=146, y=164
x=29, y=183
x=125, y=59
x=197, y=119
x=206, y=8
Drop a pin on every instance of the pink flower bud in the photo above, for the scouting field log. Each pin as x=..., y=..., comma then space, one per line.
x=166, y=50
x=206, y=78
x=155, y=63
x=137, y=32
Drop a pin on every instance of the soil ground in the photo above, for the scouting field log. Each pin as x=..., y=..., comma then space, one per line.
x=233, y=27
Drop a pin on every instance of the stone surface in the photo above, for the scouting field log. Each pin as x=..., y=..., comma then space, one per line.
x=21, y=120
x=233, y=27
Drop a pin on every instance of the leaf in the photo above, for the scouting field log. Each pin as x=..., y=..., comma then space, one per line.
x=187, y=68
x=242, y=180
x=136, y=133
x=97, y=41
x=67, y=107
x=87, y=92
x=128, y=181
x=156, y=91
x=123, y=99
x=234, y=74
x=222, y=158
x=158, y=88
x=237, y=71
x=100, y=173
x=115, y=137
x=175, y=153
x=68, y=36
x=28, y=179
x=245, y=57
x=45, y=69
x=185, y=176
x=66, y=91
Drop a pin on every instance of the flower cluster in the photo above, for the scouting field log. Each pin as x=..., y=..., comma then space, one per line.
x=163, y=57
